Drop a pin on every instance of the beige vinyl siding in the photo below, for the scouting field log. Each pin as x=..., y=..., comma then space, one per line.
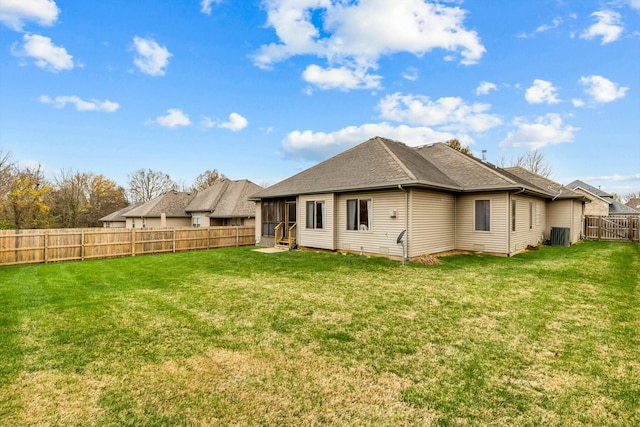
x=578, y=215
x=432, y=222
x=381, y=236
x=565, y=213
x=523, y=235
x=493, y=241
x=258, y=221
x=316, y=238
x=558, y=215
x=158, y=223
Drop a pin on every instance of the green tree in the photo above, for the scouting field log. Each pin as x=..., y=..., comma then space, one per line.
x=457, y=145
x=28, y=200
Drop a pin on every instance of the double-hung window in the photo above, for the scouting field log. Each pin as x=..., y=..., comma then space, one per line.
x=483, y=215
x=195, y=219
x=513, y=215
x=315, y=214
x=358, y=214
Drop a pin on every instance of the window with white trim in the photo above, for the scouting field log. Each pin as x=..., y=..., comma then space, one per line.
x=315, y=214
x=358, y=214
x=482, y=212
x=513, y=215
x=530, y=215
x=195, y=219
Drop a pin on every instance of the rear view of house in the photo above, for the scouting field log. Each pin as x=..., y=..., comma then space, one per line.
x=362, y=199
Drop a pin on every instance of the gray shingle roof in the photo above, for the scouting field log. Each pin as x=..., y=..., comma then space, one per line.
x=615, y=207
x=383, y=163
x=172, y=204
x=223, y=199
x=545, y=184
x=119, y=215
x=226, y=199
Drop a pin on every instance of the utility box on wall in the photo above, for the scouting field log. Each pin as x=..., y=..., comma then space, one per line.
x=560, y=236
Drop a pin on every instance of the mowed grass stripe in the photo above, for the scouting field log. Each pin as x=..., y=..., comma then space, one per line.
x=235, y=337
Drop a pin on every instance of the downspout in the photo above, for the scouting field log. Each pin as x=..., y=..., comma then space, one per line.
x=406, y=219
x=509, y=226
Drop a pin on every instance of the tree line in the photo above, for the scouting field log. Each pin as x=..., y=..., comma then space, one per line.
x=74, y=199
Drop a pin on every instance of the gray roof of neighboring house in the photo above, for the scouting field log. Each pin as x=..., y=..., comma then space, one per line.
x=226, y=199
x=171, y=203
x=615, y=207
x=119, y=215
x=383, y=163
x=223, y=199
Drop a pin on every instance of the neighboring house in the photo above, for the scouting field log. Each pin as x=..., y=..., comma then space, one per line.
x=634, y=203
x=601, y=202
x=362, y=199
x=226, y=202
x=223, y=203
x=117, y=219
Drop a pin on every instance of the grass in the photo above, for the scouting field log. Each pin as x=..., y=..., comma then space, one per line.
x=236, y=337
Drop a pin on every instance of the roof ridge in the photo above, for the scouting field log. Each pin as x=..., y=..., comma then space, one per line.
x=495, y=169
x=397, y=160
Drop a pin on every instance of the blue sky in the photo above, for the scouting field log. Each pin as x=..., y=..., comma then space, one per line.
x=263, y=89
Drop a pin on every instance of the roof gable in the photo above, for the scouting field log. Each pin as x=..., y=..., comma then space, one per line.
x=589, y=188
x=172, y=204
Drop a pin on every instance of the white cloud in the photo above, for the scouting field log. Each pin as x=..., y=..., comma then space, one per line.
x=207, y=123
x=317, y=146
x=236, y=122
x=451, y=114
x=355, y=35
x=545, y=27
x=485, y=87
x=174, y=118
x=602, y=89
x=411, y=74
x=578, y=102
x=541, y=92
x=46, y=55
x=205, y=6
x=151, y=58
x=545, y=130
x=608, y=26
x=16, y=13
x=342, y=78
x=81, y=105
x=612, y=178
x=635, y=4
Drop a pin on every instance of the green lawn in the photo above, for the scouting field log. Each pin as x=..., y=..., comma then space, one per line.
x=236, y=337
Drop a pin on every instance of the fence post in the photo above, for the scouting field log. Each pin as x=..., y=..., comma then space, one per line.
x=237, y=237
x=46, y=246
x=133, y=242
x=82, y=245
x=174, y=240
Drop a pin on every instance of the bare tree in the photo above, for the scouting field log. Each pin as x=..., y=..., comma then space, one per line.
x=145, y=185
x=207, y=179
x=533, y=161
x=71, y=198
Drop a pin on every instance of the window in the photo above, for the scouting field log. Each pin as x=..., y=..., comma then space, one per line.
x=195, y=219
x=483, y=215
x=272, y=215
x=538, y=214
x=315, y=215
x=530, y=215
x=513, y=215
x=358, y=212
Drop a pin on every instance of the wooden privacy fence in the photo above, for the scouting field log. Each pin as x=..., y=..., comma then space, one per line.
x=37, y=246
x=619, y=227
